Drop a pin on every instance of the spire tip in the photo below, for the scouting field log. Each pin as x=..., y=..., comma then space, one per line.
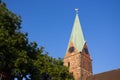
x=76, y=9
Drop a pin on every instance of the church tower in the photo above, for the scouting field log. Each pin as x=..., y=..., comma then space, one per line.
x=77, y=56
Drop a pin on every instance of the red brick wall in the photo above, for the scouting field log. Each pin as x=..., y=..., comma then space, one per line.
x=80, y=63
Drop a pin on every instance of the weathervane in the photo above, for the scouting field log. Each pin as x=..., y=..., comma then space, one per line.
x=76, y=9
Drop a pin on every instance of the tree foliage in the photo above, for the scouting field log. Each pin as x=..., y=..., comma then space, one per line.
x=23, y=59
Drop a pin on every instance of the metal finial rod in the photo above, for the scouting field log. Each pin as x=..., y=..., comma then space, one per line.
x=76, y=9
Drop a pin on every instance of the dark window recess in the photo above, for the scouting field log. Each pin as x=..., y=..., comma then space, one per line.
x=72, y=73
x=71, y=49
x=68, y=64
x=86, y=50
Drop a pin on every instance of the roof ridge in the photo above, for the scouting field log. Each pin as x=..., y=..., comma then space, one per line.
x=108, y=71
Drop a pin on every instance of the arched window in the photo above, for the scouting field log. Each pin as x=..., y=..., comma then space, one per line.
x=86, y=50
x=68, y=64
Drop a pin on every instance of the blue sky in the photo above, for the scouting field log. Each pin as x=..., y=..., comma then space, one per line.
x=50, y=22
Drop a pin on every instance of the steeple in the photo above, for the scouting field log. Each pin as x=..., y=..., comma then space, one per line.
x=77, y=36
x=77, y=56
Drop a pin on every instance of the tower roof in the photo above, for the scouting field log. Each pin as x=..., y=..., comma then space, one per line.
x=77, y=36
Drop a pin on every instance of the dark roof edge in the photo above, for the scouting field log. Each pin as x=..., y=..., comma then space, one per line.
x=107, y=71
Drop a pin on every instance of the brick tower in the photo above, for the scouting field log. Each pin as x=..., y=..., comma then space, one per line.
x=77, y=56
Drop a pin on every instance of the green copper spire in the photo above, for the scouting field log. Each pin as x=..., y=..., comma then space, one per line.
x=77, y=37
